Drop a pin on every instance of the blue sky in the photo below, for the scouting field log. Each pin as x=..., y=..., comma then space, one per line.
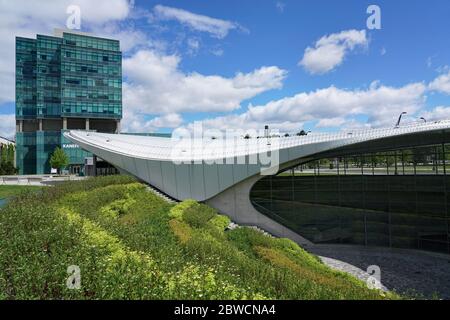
x=247, y=63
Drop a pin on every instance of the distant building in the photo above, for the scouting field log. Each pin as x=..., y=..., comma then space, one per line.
x=67, y=81
x=5, y=141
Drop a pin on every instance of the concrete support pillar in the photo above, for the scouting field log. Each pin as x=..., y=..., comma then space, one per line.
x=15, y=158
x=95, y=166
x=40, y=124
x=118, y=126
x=64, y=123
x=19, y=126
x=87, y=123
x=235, y=203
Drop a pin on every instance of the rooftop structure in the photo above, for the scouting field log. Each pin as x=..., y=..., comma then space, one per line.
x=227, y=173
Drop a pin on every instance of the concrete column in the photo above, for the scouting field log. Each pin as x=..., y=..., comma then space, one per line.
x=95, y=166
x=235, y=203
x=19, y=126
x=64, y=123
x=118, y=126
x=87, y=123
x=15, y=158
x=40, y=124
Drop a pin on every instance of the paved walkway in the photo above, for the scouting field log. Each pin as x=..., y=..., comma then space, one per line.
x=417, y=273
x=37, y=180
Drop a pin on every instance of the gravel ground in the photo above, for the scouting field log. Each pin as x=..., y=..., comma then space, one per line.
x=415, y=273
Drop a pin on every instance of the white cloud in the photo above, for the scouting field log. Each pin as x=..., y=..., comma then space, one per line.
x=331, y=122
x=330, y=51
x=130, y=38
x=7, y=125
x=218, y=52
x=51, y=12
x=170, y=120
x=156, y=85
x=193, y=46
x=380, y=103
x=133, y=122
x=441, y=83
x=216, y=27
x=244, y=122
x=280, y=6
x=438, y=113
x=330, y=107
x=26, y=18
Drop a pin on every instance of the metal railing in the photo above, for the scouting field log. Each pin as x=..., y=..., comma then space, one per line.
x=35, y=180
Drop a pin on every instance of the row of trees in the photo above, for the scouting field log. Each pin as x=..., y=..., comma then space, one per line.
x=58, y=160
x=424, y=155
x=7, y=160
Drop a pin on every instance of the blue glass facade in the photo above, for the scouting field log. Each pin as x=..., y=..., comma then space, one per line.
x=73, y=81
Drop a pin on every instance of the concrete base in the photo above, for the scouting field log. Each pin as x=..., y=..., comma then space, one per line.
x=235, y=203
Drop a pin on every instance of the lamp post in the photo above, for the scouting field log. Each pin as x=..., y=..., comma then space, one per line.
x=424, y=120
x=400, y=119
x=266, y=131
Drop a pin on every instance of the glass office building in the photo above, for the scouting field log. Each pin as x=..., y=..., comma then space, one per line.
x=67, y=81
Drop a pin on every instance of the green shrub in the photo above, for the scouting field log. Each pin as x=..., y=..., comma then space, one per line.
x=221, y=222
x=197, y=215
x=118, y=207
x=177, y=211
x=181, y=230
x=130, y=244
x=15, y=190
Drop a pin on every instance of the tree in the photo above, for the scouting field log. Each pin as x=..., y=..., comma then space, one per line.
x=7, y=168
x=4, y=153
x=59, y=159
x=10, y=153
x=7, y=160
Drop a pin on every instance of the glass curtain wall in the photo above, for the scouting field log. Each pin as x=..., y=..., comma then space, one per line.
x=396, y=198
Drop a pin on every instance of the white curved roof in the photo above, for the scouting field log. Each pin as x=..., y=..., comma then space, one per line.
x=161, y=148
x=202, y=168
x=6, y=141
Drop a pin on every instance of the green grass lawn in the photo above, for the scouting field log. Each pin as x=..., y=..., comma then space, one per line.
x=9, y=191
x=130, y=244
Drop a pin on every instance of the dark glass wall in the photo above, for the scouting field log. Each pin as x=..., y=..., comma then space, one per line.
x=26, y=152
x=26, y=94
x=397, y=198
x=48, y=77
x=91, y=77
